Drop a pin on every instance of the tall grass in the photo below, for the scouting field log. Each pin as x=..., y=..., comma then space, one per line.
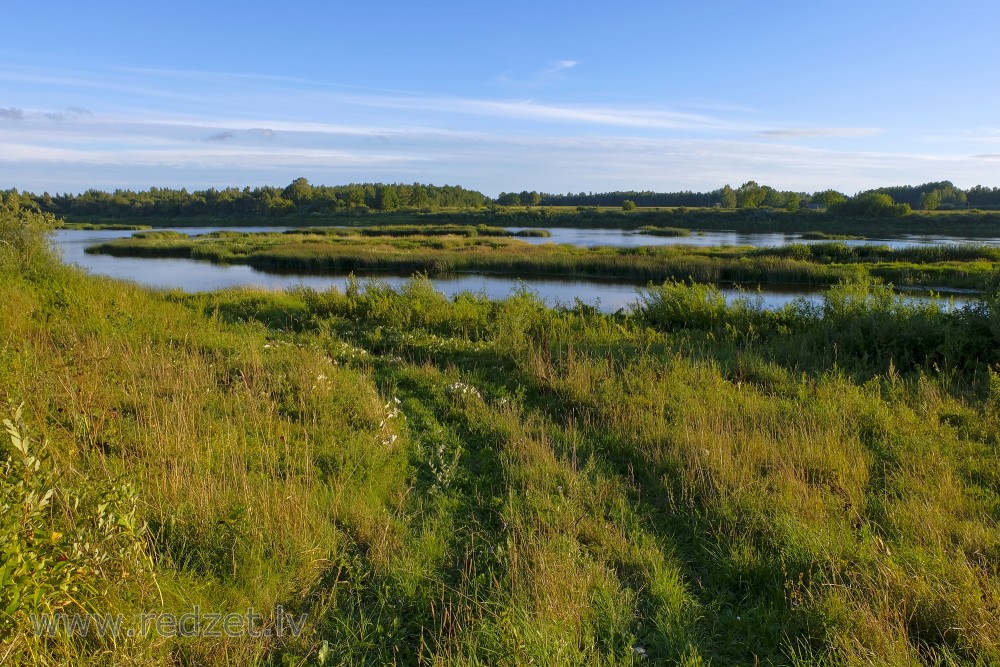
x=465, y=481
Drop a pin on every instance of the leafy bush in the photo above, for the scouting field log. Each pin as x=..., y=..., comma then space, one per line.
x=59, y=547
x=24, y=232
x=675, y=305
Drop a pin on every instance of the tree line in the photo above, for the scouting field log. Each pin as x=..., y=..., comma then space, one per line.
x=298, y=197
x=942, y=195
x=303, y=198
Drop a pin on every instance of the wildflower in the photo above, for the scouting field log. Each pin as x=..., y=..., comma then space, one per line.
x=463, y=389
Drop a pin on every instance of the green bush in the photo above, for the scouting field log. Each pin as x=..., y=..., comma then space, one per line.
x=24, y=236
x=61, y=548
x=676, y=305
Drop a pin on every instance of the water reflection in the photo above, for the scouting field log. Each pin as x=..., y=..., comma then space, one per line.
x=606, y=295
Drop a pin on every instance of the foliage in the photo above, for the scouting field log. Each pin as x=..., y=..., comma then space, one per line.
x=62, y=549
x=24, y=234
x=465, y=481
x=675, y=305
x=298, y=197
x=873, y=204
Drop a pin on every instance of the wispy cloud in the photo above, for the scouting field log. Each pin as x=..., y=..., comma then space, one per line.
x=822, y=132
x=194, y=157
x=534, y=111
x=561, y=66
x=220, y=136
x=246, y=127
x=69, y=112
x=551, y=73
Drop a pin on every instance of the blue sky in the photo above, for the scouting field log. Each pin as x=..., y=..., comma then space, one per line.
x=553, y=96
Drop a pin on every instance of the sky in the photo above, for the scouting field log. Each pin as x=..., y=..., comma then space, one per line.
x=550, y=96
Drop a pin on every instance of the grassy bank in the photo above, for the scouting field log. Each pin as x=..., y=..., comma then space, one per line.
x=966, y=267
x=652, y=230
x=89, y=226
x=437, y=481
x=952, y=223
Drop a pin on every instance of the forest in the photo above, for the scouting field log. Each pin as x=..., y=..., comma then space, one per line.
x=303, y=199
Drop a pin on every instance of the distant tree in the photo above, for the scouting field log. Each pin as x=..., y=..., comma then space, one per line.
x=929, y=201
x=773, y=198
x=418, y=195
x=793, y=201
x=355, y=195
x=727, y=197
x=387, y=198
x=875, y=204
x=298, y=190
x=829, y=198
x=278, y=205
x=509, y=199
x=750, y=195
x=628, y=205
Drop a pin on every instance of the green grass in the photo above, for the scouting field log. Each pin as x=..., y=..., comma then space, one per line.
x=652, y=230
x=963, y=223
x=824, y=236
x=965, y=267
x=466, y=482
x=86, y=226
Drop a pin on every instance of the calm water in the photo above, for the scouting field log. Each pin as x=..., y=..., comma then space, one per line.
x=627, y=238
x=607, y=295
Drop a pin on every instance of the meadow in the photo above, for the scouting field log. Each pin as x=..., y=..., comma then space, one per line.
x=440, y=251
x=469, y=482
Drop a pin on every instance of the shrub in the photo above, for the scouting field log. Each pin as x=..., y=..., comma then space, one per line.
x=59, y=547
x=676, y=305
x=24, y=236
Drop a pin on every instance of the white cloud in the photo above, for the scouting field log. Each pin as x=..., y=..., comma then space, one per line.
x=275, y=125
x=561, y=66
x=822, y=132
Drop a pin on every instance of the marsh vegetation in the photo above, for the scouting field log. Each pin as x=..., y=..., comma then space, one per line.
x=441, y=251
x=465, y=481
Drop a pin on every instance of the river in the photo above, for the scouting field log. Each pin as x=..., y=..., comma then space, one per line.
x=606, y=295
